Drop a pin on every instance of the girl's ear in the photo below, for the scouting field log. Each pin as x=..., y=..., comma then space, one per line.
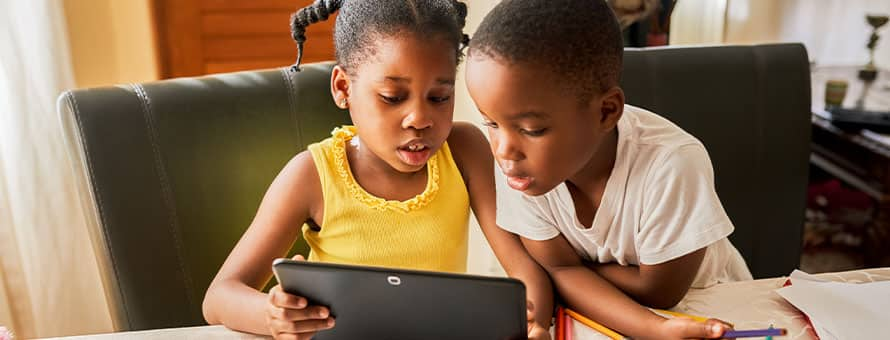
x=340, y=87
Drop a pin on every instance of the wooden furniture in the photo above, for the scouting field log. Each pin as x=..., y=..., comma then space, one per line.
x=748, y=305
x=860, y=158
x=198, y=37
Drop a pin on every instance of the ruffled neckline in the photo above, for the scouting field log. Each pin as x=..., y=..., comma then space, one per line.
x=344, y=134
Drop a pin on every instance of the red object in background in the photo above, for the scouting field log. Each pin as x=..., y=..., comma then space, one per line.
x=657, y=39
x=834, y=192
x=832, y=195
x=837, y=215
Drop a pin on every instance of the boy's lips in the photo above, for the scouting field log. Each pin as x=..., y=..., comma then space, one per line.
x=519, y=183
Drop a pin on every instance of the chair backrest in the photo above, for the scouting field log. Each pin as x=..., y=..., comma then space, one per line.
x=177, y=169
x=750, y=106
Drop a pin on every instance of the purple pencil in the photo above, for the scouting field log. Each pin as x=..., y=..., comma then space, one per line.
x=753, y=333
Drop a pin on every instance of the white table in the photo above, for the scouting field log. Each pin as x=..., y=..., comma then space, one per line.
x=748, y=305
x=754, y=304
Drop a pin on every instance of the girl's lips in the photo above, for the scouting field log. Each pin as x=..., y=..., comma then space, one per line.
x=416, y=157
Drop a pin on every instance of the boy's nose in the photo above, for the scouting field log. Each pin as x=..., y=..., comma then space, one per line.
x=505, y=149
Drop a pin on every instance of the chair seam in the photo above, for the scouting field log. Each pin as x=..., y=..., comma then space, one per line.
x=166, y=191
x=291, y=99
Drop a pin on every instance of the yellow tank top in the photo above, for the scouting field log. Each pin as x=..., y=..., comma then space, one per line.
x=427, y=232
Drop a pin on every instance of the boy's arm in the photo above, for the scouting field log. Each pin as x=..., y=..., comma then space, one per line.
x=669, y=229
x=661, y=285
x=588, y=293
x=591, y=295
x=471, y=152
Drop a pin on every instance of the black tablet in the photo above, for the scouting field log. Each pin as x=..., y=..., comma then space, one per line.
x=384, y=303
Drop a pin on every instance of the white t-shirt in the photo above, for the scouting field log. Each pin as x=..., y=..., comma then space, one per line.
x=659, y=204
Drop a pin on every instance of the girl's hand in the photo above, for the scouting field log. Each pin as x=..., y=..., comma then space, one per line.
x=685, y=328
x=535, y=330
x=538, y=332
x=290, y=317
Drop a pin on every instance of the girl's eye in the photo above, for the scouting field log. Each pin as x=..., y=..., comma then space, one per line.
x=391, y=100
x=440, y=99
x=533, y=133
x=489, y=124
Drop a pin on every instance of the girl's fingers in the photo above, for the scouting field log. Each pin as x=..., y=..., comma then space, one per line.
x=279, y=298
x=309, y=313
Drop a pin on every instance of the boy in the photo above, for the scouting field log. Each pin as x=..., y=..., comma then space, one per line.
x=616, y=203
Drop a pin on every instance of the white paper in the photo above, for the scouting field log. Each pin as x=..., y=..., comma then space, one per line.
x=841, y=310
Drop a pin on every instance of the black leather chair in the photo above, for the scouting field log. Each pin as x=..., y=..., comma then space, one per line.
x=750, y=106
x=177, y=168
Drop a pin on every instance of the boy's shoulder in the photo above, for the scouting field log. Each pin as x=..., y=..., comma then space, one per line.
x=651, y=140
x=649, y=129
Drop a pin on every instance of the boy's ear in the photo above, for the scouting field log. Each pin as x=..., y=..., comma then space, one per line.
x=611, y=107
x=340, y=87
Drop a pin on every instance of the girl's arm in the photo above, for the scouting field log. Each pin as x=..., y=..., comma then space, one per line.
x=472, y=153
x=234, y=298
x=588, y=293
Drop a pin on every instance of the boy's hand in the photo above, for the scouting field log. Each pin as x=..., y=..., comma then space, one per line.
x=685, y=328
x=535, y=330
x=290, y=317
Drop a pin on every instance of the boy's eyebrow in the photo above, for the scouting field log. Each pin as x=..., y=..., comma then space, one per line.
x=529, y=114
x=440, y=81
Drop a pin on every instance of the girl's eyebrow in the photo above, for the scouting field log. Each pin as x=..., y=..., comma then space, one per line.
x=397, y=79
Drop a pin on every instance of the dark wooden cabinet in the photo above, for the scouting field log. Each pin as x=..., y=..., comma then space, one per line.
x=196, y=37
x=860, y=158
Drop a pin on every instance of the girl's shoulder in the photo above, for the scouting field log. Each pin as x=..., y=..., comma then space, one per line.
x=470, y=150
x=301, y=164
x=299, y=175
x=467, y=140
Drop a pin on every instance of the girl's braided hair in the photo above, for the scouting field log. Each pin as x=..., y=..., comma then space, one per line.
x=361, y=22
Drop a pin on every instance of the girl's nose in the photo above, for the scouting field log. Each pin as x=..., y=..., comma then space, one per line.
x=418, y=119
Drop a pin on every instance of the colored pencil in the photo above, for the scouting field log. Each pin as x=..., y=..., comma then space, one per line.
x=569, y=324
x=595, y=325
x=755, y=333
x=681, y=315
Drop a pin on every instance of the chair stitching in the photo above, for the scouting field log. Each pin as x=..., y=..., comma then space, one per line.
x=167, y=192
x=292, y=101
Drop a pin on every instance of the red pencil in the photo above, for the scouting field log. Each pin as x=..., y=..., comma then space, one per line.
x=569, y=325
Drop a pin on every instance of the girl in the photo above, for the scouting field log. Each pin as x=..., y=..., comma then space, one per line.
x=394, y=190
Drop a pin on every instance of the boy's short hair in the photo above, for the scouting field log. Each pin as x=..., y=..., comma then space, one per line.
x=578, y=40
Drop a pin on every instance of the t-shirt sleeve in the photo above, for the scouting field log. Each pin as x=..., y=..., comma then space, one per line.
x=521, y=214
x=682, y=212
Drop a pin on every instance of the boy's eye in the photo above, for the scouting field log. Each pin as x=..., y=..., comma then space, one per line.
x=392, y=100
x=489, y=124
x=440, y=99
x=533, y=133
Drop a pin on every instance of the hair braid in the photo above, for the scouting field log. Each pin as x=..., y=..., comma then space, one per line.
x=319, y=10
x=361, y=24
x=461, y=9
